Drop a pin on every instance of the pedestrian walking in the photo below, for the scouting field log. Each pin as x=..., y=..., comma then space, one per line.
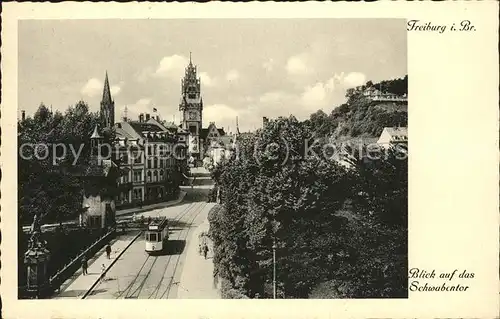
x=108, y=251
x=205, y=250
x=103, y=273
x=84, y=265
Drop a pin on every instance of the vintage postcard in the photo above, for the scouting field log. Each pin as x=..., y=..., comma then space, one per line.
x=311, y=160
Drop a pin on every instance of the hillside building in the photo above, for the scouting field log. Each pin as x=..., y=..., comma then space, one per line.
x=392, y=136
x=376, y=95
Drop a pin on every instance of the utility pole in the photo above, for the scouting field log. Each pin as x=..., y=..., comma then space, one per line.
x=274, y=269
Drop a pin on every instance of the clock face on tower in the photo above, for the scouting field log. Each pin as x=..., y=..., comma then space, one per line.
x=193, y=115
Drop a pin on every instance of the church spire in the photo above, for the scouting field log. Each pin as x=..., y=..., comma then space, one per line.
x=107, y=106
x=106, y=94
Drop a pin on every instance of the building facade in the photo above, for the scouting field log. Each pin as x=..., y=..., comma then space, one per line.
x=151, y=156
x=152, y=161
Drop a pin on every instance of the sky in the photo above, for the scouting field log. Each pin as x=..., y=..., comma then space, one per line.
x=249, y=68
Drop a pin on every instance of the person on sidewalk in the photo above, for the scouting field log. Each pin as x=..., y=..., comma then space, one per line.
x=205, y=250
x=108, y=251
x=103, y=273
x=84, y=265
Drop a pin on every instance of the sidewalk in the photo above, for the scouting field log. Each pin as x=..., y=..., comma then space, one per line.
x=76, y=286
x=133, y=210
x=196, y=280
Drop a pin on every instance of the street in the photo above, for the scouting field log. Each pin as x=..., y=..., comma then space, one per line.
x=137, y=275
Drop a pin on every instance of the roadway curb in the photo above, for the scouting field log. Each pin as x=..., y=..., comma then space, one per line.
x=142, y=210
x=111, y=265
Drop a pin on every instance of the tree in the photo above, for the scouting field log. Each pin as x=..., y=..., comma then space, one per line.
x=44, y=188
x=343, y=228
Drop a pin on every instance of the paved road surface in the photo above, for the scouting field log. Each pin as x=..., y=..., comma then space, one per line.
x=136, y=275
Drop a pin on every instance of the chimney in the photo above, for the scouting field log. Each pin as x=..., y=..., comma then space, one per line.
x=141, y=117
x=158, y=118
x=23, y=115
x=147, y=116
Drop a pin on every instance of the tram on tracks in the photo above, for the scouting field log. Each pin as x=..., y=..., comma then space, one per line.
x=156, y=236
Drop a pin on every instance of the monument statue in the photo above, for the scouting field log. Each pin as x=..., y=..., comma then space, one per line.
x=36, y=230
x=36, y=259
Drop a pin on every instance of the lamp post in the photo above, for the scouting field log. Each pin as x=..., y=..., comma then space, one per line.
x=274, y=269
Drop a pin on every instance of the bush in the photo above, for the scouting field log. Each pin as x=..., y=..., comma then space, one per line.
x=212, y=195
x=228, y=292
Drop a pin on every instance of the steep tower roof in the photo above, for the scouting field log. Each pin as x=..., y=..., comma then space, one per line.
x=106, y=94
x=96, y=133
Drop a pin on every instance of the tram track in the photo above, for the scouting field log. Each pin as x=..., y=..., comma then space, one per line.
x=167, y=291
x=183, y=234
x=126, y=293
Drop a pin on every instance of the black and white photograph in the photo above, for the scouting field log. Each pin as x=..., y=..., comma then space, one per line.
x=249, y=160
x=212, y=159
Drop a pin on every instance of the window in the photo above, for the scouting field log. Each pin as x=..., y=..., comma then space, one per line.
x=155, y=174
x=137, y=158
x=161, y=175
x=149, y=176
x=150, y=163
x=125, y=158
x=155, y=165
x=159, y=237
x=137, y=176
x=152, y=237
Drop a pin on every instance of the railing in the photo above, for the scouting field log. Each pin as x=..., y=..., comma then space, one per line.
x=388, y=98
x=55, y=280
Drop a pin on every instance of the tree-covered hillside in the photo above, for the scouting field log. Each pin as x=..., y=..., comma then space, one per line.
x=361, y=117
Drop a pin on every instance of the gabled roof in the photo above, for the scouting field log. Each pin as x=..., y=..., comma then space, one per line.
x=204, y=131
x=152, y=120
x=397, y=132
x=140, y=127
x=121, y=133
x=129, y=130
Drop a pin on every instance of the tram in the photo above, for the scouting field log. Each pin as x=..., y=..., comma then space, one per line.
x=156, y=235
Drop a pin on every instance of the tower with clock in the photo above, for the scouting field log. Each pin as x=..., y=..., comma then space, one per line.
x=191, y=107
